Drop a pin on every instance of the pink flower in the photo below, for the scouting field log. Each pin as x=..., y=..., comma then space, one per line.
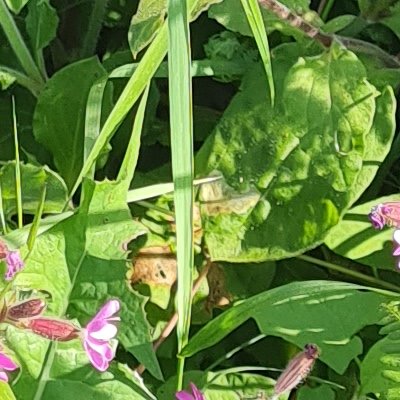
x=196, y=394
x=6, y=364
x=14, y=264
x=98, y=333
x=385, y=214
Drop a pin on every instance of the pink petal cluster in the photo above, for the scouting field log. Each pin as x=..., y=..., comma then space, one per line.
x=98, y=333
x=6, y=364
x=195, y=395
x=13, y=260
x=96, y=336
x=388, y=214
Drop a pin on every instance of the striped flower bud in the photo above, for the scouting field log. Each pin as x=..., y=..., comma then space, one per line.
x=297, y=370
x=25, y=309
x=53, y=329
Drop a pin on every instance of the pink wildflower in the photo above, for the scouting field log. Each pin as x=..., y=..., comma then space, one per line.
x=14, y=264
x=385, y=214
x=6, y=364
x=98, y=333
x=196, y=394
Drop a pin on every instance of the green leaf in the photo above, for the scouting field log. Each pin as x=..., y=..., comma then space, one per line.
x=59, y=119
x=33, y=180
x=303, y=312
x=226, y=385
x=5, y=391
x=16, y=5
x=321, y=392
x=41, y=23
x=337, y=24
x=146, y=23
x=355, y=238
x=292, y=169
x=393, y=20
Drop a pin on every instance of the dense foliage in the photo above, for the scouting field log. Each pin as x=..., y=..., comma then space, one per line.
x=291, y=117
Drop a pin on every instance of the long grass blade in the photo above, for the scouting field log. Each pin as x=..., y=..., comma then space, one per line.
x=4, y=227
x=34, y=228
x=17, y=43
x=256, y=22
x=18, y=189
x=180, y=92
x=128, y=166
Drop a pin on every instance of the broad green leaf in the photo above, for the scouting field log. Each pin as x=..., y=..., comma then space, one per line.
x=303, y=312
x=392, y=21
x=226, y=385
x=355, y=238
x=377, y=141
x=337, y=24
x=145, y=24
x=59, y=119
x=5, y=391
x=321, y=392
x=301, y=160
x=33, y=180
x=16, y=5
x=41, y=23
x=229, y=13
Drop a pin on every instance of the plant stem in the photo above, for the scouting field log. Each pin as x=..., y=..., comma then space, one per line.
x=349, y=272
x=326, y=9
x=18, y=188
x=18, y=45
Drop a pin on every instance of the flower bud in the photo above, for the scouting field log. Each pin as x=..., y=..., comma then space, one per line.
x=297, y=369
x=26, y=309
x=53, y=329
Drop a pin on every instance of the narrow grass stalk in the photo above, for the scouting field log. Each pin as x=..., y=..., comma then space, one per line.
x=180, y=92
x=34, y=229
x=18, y=189
x=18, y=45
x=354, y=274
x=326, y=9
x=2, y=218
x=256, y=22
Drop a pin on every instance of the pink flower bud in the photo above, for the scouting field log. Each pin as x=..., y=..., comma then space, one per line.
x=53, y=329
x=26, y=309
x=195, y=395
x=385, y=214
x=297, y=369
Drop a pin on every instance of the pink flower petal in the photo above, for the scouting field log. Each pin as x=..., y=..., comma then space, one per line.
x=3, y=376
x=107, y=332
x=6, y=363
x=197, y=394
x=109, y=309
x=182, y=395
x=96, y=359
x=14, y=264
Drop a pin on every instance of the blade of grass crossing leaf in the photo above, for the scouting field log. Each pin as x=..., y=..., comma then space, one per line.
x=159, y=189
x=17, y=167
x=36, y=221
x=256, y=22
x=17, y=43
x=2, y=218
x=139, y=80
x=133, y=89
x=93, y=119
x=128, y=166
x=180, y=92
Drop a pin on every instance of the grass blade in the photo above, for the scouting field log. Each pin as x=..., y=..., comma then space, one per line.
x=256, y=22
x=18, y=191
x=180, y=91
x=34, y=229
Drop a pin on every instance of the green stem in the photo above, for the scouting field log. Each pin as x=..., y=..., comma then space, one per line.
x=23, y=80
x=18, y=189
x=327, y=8
x=18, y=45
x=349, y=272
x=45, y=373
